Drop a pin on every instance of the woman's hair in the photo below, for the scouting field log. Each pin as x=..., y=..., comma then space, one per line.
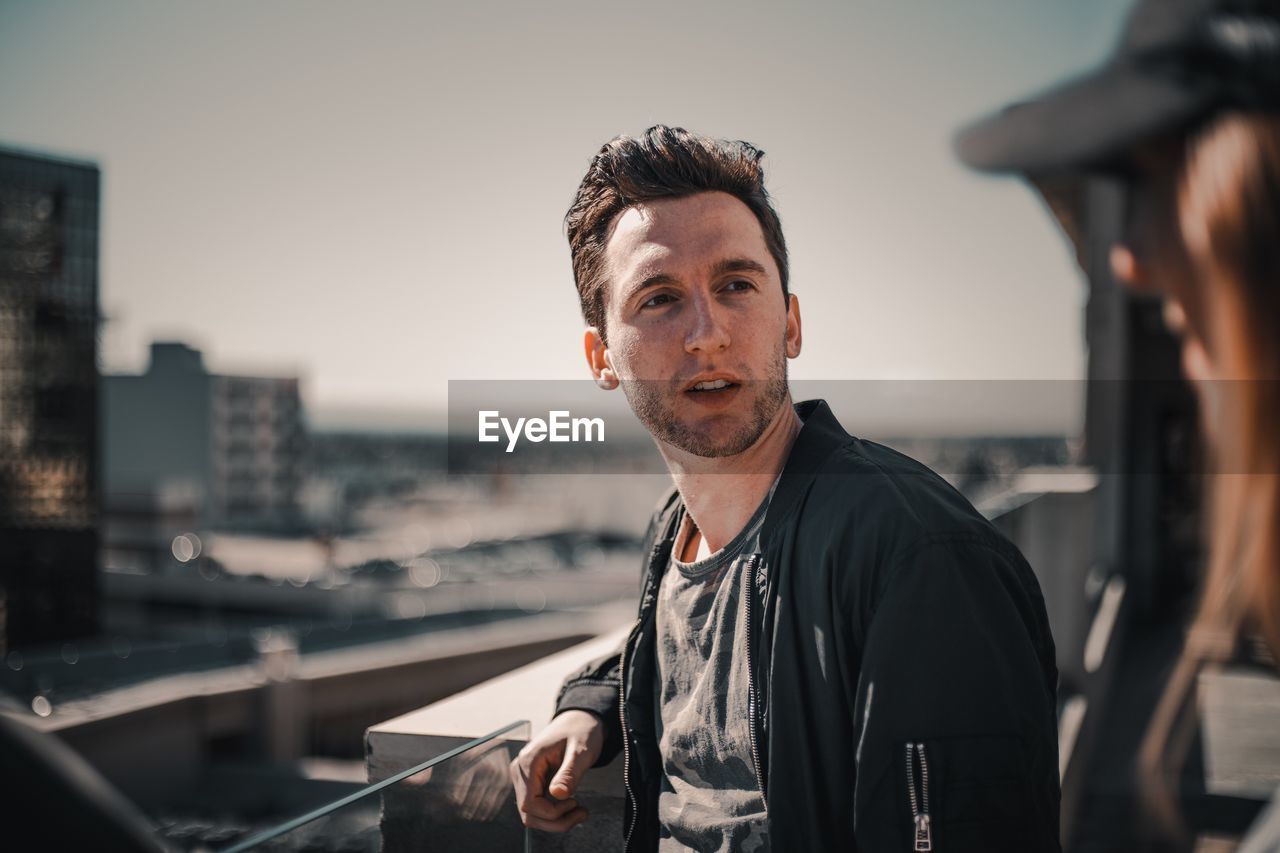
x=1229, y=216
x=1229, y=210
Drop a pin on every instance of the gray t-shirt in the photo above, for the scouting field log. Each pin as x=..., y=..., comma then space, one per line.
x=710, y=797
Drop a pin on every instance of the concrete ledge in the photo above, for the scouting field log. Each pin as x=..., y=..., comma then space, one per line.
x=525, y=693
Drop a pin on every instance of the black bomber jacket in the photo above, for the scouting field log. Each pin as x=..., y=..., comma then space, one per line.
x=903, y=679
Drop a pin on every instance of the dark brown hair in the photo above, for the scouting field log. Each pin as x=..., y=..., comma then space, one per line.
x=662, y=162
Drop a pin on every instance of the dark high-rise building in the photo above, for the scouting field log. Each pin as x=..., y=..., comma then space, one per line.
x=48, y=398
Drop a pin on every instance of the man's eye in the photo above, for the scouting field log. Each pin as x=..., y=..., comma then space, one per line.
x=654, y=301
x=739, y=284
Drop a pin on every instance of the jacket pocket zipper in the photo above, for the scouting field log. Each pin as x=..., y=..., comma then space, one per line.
x=921, y=825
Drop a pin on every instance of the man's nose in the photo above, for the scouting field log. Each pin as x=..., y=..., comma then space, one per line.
x=710, y=332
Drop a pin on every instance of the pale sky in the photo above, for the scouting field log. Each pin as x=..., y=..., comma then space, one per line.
x=371, y=194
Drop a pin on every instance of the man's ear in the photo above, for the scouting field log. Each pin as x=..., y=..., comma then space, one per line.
x=599, y=360
x=793, y=326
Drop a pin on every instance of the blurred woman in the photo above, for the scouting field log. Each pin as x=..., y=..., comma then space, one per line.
x=1187, y=112
x=1221, y=279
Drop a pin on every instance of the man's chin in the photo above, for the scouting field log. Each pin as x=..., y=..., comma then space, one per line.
x=712, y=438
x=719, y=425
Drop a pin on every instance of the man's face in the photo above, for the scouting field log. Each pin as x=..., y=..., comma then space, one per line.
x=698, y=330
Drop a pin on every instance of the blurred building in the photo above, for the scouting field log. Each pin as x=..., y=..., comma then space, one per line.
x=209, y=450
x=259, y=444
x=48, y=398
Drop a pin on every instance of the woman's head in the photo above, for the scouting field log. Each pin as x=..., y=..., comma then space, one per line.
x=1228, y=218
x=1205, y=235
x=1203, y=232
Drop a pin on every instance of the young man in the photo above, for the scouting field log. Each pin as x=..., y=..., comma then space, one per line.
x=834, y=650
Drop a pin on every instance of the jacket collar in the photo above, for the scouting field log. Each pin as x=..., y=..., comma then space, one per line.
x=820, y=436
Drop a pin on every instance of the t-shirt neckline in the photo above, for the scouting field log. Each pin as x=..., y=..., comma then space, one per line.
x=730, y=551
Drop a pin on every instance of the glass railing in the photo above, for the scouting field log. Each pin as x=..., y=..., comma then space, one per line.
x=461, y=798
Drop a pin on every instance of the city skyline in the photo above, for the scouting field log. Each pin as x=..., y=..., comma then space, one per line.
x=372, y=198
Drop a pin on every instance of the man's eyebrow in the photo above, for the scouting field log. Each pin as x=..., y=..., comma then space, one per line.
x=650, y=281
x=737, y=265
x=722, y=267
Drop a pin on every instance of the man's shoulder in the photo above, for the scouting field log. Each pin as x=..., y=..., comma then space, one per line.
x=871, y=489
x=852, y=480
x=873, y=510
x=861, y=471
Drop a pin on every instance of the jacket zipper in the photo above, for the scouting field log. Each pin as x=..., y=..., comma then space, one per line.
x=920, y=821
x=752, y=704
x=626, y=736
x=622, y=707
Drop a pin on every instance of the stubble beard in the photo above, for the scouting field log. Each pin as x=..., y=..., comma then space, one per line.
x=650, y=401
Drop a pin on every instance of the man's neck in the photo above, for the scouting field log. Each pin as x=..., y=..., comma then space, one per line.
x=721, y=493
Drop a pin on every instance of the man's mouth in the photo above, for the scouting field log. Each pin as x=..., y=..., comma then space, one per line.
x=712, y=385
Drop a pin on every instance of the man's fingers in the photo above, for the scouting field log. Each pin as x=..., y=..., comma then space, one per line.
x=517, y=782
x=549, y=770
x=527, y=772
x=561, y=824
x=571, y=771
x=541, y=807
x=529, y=797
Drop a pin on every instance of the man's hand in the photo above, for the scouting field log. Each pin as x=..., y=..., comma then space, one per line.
x=569, y=745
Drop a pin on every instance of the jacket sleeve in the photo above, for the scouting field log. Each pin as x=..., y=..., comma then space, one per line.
x=956, y=701
x=595, y=688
